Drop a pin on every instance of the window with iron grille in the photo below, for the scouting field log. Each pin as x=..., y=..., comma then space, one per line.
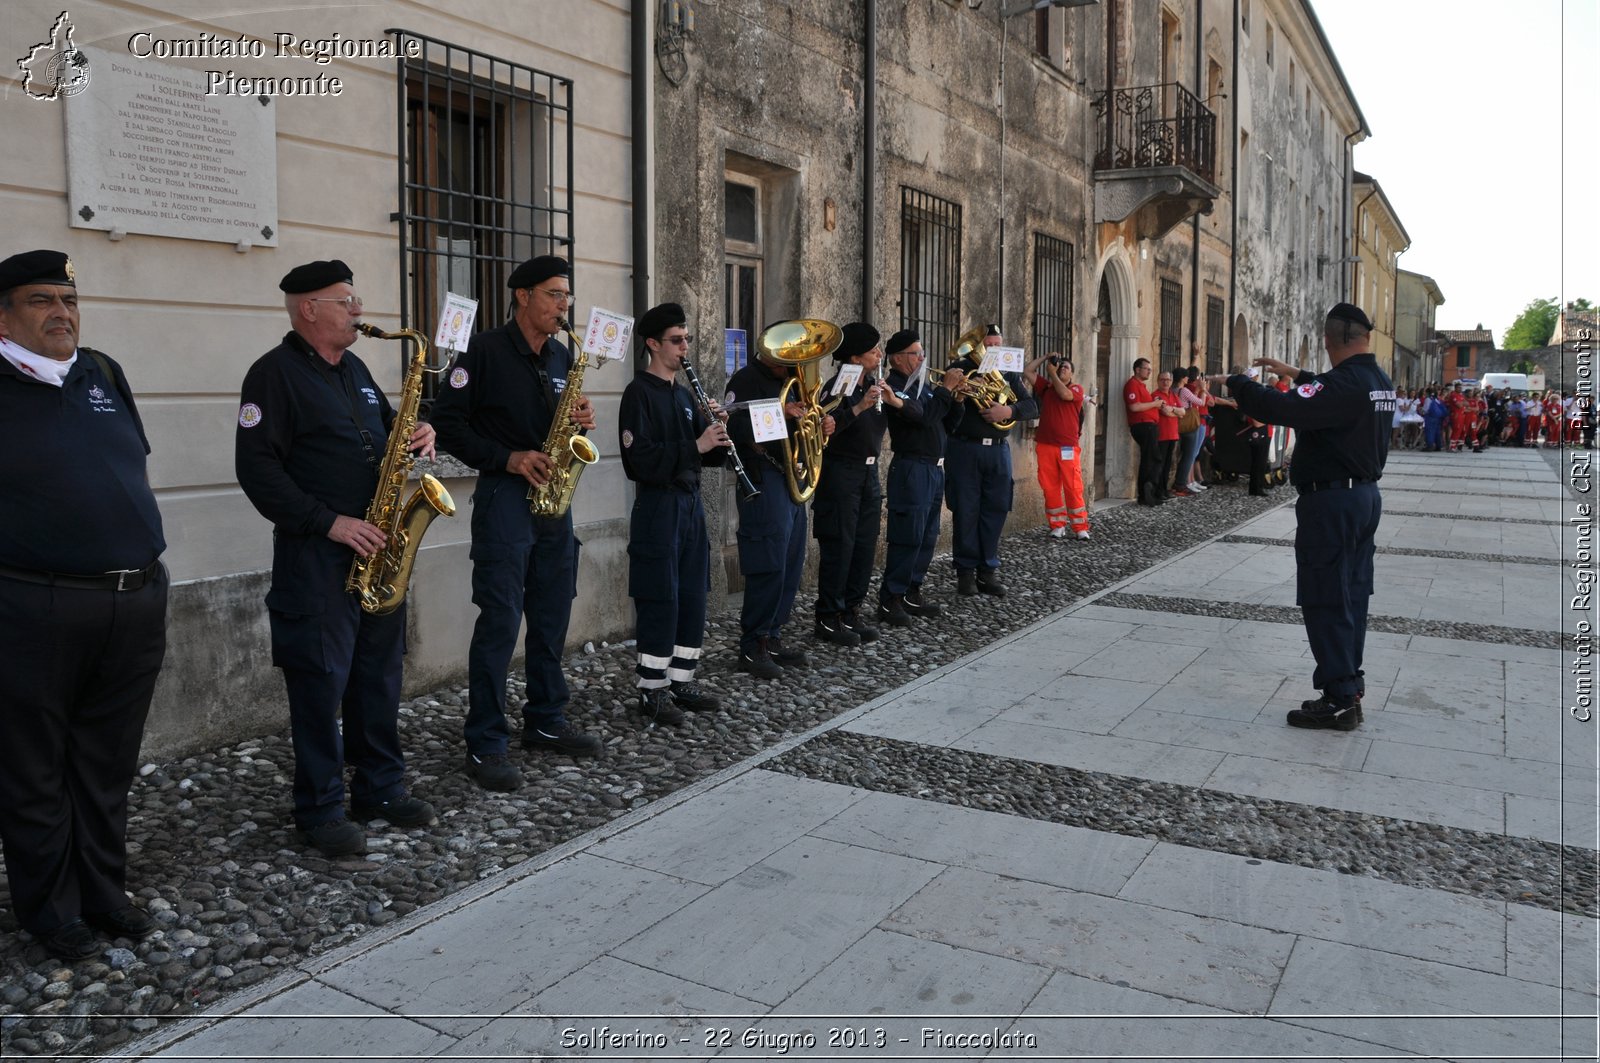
x=930, y=271
x=485, y=176
x=1171, y=326
x=1215, y=324
x=1052, y=295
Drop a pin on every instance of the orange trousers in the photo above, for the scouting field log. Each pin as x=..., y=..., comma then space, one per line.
x=1061, y=479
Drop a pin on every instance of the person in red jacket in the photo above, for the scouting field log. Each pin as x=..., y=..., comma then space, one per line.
x=1061, y=409
x=1166, y=432
x=1143, y=413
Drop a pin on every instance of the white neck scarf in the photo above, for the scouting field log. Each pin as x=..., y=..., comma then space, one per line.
x=37, y=366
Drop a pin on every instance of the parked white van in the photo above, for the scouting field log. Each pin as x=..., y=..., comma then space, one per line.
x=1514, y=382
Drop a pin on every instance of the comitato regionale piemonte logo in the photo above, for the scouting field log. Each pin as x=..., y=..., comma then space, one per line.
x=56, y=67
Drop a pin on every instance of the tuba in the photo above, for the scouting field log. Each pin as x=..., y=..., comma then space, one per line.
x=571, y=451
x=380, y=581
x=802, y=344
x=984, y=389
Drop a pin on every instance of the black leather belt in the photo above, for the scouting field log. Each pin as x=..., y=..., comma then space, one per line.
x=1331, y=485
x=130, y=579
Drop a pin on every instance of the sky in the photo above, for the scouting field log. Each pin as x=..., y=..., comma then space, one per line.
x=1466, y=101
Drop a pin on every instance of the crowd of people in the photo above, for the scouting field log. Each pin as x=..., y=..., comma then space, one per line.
x=1456, y=418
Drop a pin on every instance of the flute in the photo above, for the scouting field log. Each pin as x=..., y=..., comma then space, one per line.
x=746, y=487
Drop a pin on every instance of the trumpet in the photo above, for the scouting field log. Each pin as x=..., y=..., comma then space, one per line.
x=983, y=389
x=802, y=344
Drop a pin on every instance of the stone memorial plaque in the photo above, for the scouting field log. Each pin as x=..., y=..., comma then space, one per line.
x=149, y=152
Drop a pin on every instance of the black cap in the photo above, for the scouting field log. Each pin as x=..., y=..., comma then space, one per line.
x=37, y=267
x=901, y=340
x=315, y=276
x=991, y=330
x=859, y=338
x=538, y=270
x=1351, y=313
x=656, y=320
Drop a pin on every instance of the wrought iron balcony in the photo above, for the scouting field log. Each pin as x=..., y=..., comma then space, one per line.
x=1155, y=156
x=1155, y=125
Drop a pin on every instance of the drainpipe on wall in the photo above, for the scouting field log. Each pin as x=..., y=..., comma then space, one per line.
x=869, y=166
x=1233, y=197
x=1194, y=266
x=1348, y=279
x=1355, y=214
x=639, y=93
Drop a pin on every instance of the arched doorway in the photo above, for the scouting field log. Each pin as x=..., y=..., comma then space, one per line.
x=1240, y=354
x=1117, y=345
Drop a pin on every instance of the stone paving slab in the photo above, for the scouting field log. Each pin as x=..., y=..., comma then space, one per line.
x=494, y=955
x=338, y=1025
x=1324, y=904
x=1028, y=849
x=1083, y=1018
x=1119, y=756
x=1210, y=961
x=1437, y=1008
x=764, y=932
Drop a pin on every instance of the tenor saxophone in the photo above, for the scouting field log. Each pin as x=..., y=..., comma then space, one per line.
x=380, y=581
x=568, y=448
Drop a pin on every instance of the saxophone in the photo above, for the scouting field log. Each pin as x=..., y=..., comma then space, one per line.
x=570, y=450
x=380, y=581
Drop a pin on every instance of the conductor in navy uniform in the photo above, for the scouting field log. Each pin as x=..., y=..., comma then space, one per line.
x=1343, y=420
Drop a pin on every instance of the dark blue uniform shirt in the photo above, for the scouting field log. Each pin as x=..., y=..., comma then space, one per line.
x=659, y=423
x=1342, y=419
x=855, y=436
x=966, y=420
x=311, y=437
x=916, y=428
x=499, y=398
x=755, y=382
x=77, y=498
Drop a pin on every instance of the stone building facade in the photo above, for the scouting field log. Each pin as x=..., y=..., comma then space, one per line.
x=1377, y=240
x=1129, y=178
x=423, y=175
x=1417, y=301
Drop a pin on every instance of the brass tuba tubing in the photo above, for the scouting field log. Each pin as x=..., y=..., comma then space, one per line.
x=801, y=344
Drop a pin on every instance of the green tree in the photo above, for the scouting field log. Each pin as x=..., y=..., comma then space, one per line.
x=1533, y=327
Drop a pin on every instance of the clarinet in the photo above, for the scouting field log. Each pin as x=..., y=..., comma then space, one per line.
x=747, y=489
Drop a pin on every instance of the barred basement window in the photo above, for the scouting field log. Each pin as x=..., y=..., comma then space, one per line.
x=1215, y=325
x=485, y=176
x=930, y=271
x=1052, y=295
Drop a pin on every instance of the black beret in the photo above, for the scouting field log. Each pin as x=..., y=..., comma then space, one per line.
x=315, y=276
x=538, y=270
x=657, y=320
x=901, y=340
x=859, y=338
x=1351, y=313
x=37, y=267
x=991, y=330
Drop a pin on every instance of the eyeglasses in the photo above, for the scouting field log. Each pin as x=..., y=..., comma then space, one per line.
x=679, y=341
x=563, y=297
x=351, y=303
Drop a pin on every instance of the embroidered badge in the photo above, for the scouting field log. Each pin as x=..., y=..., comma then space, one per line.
x=727, y=400
x=1308, y=390
x=249, y=415
x=458, y=377
x=96, y=394
x=627, y=438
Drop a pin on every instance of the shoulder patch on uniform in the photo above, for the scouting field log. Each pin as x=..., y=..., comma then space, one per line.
x=1308, y=390
x=627, y=437
x=728, y=399
x=249, y=415
x=458, y=377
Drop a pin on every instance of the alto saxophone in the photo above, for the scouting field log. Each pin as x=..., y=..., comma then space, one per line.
x=380, y=581
x=568, y=448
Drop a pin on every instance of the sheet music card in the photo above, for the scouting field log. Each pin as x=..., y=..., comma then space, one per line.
x=766, y=421
x=1003, y=359
x=849, y=376
x=455, y=322
x=607, y=336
